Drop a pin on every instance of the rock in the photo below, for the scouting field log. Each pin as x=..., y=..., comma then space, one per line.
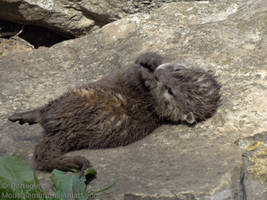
x=12, y=45
x=254, y=150
x=174, y=162
x=33, y=35
x=72, y=18
x=165, y=165
x=56, y=15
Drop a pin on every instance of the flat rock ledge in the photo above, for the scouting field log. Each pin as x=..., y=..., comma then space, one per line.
x=72, y=18
x=166, y=166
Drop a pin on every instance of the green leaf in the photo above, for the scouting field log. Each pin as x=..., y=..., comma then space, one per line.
x=90, y=172
x=16, y=170
x=104, y=189
x=69, y=186
x=18, y=182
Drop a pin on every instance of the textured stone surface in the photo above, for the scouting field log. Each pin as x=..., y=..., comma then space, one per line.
x=200, y=162
x=167, y=165
x=72, y=17
x=254, y=150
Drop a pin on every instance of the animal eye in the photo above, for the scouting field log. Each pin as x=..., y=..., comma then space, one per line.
x=178, y=69
x=170, y=91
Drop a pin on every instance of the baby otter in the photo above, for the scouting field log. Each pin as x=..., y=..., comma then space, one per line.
x=119, y=109
x=182, y=93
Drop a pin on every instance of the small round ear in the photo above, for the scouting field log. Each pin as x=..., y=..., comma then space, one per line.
x=149, y=60
x=189, y=118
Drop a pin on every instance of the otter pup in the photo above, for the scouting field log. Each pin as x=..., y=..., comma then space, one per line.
x=119, y=109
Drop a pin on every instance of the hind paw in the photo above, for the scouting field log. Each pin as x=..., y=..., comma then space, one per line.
x=83, y=164
x=17, y=117
x=30, y=117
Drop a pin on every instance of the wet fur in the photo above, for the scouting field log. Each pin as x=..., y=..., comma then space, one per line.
x=119, y=109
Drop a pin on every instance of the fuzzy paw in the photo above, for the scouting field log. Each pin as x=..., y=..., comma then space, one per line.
x=149, y=60
x=17, y=117
x=83, y=164
x=148, y=78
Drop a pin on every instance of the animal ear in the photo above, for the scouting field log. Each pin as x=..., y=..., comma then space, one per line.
x=189, y=118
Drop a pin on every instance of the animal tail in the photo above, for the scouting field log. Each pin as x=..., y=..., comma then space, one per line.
x=30, y=117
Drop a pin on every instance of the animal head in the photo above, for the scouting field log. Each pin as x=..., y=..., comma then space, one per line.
x=182, y=93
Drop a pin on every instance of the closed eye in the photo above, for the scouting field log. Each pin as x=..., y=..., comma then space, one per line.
x=170, y=91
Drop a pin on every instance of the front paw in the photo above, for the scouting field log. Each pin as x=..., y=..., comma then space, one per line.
x=17, y=117
x=148, y=78
x=81, y=163
x=149, y=60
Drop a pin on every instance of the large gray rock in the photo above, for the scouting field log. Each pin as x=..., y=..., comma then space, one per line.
x=174, y=162
x=72, y=17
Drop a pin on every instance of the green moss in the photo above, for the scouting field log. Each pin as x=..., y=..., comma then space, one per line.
x=258, y=168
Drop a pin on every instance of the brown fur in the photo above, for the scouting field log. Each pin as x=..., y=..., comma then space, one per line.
x=182, y=93
x=120, y=109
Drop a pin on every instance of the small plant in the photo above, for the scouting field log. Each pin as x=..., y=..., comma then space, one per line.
x=19, y=182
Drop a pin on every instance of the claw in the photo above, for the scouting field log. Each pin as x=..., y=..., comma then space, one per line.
x=30, y=117
x=16, y=117
x=21, y=122
x=85, y=166
x=13, y=118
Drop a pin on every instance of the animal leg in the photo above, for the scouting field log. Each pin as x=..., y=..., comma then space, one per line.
x=30, y=117
x=48, y=156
